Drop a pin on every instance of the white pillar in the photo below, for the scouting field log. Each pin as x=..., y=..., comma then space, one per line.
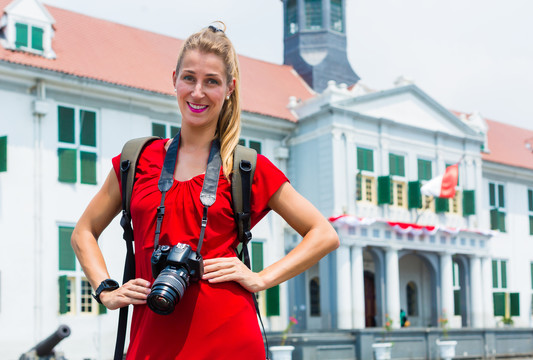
x=488, y=305
x=446, y=284
x=358, y=288
x=344, y=293
x=392, y=281
x=477, y=292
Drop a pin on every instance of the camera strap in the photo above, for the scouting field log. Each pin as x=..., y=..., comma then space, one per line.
x=209, y=188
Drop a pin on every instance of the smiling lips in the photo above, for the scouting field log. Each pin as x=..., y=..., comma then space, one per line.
x=196, y=108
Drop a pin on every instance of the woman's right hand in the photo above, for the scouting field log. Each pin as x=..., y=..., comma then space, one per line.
x=133, y=292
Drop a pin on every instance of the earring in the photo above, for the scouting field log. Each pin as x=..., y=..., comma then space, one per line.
x=227, y=97
x=175, y=90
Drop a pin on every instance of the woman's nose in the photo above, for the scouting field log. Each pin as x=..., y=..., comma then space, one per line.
x=197, y=90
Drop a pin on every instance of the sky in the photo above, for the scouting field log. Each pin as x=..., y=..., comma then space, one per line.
x=469, y=55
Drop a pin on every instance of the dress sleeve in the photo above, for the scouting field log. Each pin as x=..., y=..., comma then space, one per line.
x=267, y=180
x=116, y=166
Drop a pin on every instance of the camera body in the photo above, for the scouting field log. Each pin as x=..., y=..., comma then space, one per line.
x=173, y=269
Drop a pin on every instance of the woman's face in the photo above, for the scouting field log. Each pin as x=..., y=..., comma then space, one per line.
x=201, y=88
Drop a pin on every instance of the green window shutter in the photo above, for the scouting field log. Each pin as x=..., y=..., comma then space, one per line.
x=494, y=219
x=63, y=294
x=515, y=304
x=494, y=273
x=65, y=124
x=501, y=221
x=492, y=194
x=424, y=169
x=504, y=273
x=174, y=130
x=442, y=205
x=469, y=202
x=501, y=197
x=384, y=190
x=257, y=256
x=365, y=159
x=272, y=301
x=256, y=145
x=396, y=165
x=530, y=199
x=159, y=130
x=414, y=195
x=499, y=303
x=531, y=275
x=3, y=153
x=101, y=309
x=457, y=302
x=87, y=128
x=67, y=165
x=88, y=167
x=36, y=38
x=22, y=35
x=530, y=219
x=67, y=258
x=358, y=187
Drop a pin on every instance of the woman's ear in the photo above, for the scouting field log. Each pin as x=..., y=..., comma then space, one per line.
x=231, y=86
x=174, y=79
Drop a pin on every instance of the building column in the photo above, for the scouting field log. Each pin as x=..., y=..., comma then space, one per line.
x=392, y=281
x=477, y=292
x=344, y=284
x=358, y=288
x=488, y=305
x=446, y=284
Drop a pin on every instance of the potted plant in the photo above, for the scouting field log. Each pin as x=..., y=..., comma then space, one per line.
x=284, y=352
x=507, y=321
x=446, y=347
x=382, y=349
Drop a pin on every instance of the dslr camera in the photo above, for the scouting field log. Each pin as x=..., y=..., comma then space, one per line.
x=173, y=269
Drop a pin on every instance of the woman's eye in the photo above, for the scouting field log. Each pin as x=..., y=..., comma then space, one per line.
x=188, y=78
x=212, y=82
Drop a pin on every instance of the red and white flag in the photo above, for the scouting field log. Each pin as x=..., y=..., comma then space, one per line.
x=442, y=186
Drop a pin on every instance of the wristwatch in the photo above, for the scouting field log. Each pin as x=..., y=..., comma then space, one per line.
x=106, y=285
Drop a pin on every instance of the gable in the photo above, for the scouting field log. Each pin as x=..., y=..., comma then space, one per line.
x=29, y=9
x=408, y=106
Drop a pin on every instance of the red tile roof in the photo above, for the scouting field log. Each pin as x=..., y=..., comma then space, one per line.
x=98, y=49
x=508, y=145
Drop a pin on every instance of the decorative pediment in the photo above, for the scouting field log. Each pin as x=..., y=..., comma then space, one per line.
x=410, y=106
x=27, y=26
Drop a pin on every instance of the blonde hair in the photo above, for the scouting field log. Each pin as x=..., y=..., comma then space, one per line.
x=213, y=40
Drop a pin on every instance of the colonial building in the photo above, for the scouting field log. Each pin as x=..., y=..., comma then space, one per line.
x=74, y=88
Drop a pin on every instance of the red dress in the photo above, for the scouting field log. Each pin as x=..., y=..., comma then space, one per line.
x=212, y=321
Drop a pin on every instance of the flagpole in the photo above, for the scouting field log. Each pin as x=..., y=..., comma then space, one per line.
x=426, y=206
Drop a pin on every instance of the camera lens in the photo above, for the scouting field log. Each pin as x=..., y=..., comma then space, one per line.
x=167, y=290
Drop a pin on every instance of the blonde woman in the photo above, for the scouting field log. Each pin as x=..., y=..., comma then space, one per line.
x=215, y=318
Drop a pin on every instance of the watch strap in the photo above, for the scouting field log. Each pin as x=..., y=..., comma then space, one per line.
x=106, y=285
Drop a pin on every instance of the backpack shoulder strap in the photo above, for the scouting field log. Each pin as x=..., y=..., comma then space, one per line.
x=244, y=162
x=128, y=160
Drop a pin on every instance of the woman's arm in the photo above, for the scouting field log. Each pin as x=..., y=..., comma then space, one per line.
x=319, y=238
x=105, y=205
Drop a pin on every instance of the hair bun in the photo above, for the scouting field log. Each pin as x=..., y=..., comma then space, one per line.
x=218, y=26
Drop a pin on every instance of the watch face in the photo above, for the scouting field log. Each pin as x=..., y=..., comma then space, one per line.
x=110, y=284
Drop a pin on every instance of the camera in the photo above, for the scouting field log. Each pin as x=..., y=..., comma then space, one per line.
x=173, y=269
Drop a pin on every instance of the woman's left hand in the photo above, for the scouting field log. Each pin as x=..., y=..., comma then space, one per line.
x=232, y=269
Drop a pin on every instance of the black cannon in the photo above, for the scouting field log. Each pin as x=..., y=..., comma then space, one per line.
x=45, y=349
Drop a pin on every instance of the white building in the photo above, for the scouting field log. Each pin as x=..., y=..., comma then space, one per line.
x=73, y=89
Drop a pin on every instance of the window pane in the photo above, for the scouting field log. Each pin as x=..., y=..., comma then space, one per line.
x=65, y=124
x=272, y=301
x=159, y=130
x=67, y=165
x=37, y=38
x=3, y=153
x=67, y=259
x=87, y=128
x=291, y=18
x=256, y=145
x=174, y=130
x=501, y=199
x=86, y=297
x=313, y=14
x=257, y=256
x=336, y=15
x=22, y=35
x=88, y=167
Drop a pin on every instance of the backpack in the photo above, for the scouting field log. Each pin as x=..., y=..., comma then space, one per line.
x=244, y=161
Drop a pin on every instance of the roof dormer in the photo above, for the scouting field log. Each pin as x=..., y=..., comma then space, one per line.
x=26, y=26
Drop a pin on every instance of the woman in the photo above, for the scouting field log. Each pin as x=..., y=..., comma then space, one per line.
x=215, y=318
